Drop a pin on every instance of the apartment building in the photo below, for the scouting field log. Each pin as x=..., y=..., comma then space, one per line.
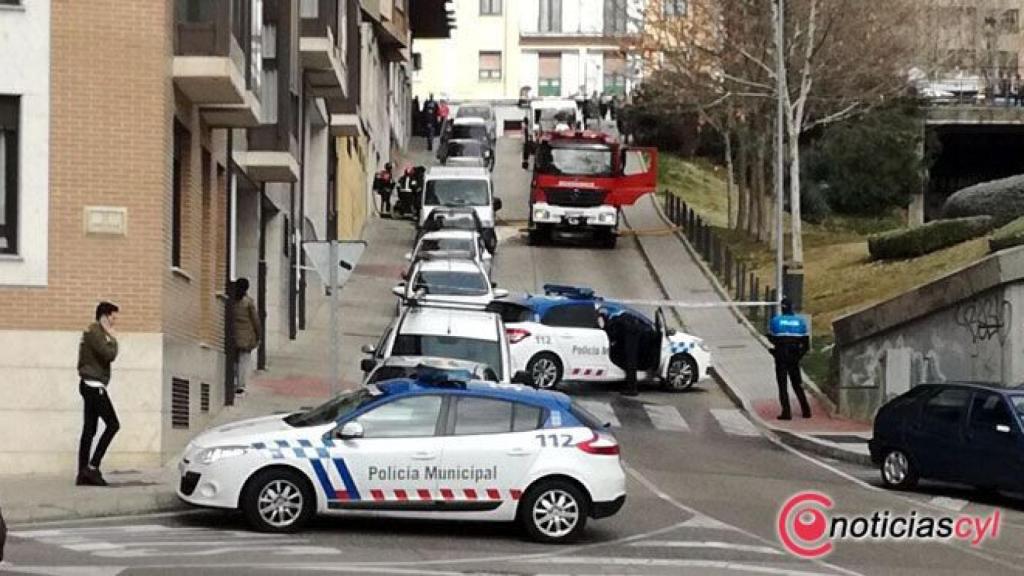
x=151, y=153
x=551, y=47
x=971, y=44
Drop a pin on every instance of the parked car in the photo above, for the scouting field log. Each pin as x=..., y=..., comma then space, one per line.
x=466, y=152
x=453, y=243
x=959, y=432
x=448, y=280
x=483, y=111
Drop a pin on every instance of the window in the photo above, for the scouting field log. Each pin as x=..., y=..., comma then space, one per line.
x=988, y=411
x=451, y=283
x=550, y=16
x=454, y=193
x=417, y=61
x=471, y=349
x=526, y=418
x=482, y=416
x=615, y=69
x=414, y=417
x=615, y=17
x=572, y=316
x=309, y=9
x=490, y=7
x=549, y=74
x=1010, y=21
x=9, y=114
x=673, y=7
x=490, y=65
x=182, y=146
x=943, y=411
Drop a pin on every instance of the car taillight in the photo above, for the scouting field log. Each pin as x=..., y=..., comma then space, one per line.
x=600, y=444
x=516, y=335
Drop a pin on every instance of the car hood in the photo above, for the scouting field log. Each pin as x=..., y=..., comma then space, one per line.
x=245, y=431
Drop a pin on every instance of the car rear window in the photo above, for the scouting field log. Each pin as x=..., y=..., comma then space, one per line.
x=472, y=349
x=452, y=283
x=588, y=419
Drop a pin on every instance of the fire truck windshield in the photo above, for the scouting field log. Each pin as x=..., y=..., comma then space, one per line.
x=575, y=161
x=549, y=118
x=454, y=192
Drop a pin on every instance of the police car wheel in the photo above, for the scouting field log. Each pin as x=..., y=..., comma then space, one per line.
x=681, y=373
x=545, y=370
x=554, y=512
x=898, y=471
x=278, y=500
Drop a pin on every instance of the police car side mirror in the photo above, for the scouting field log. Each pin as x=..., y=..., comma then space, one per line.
x=497, y=204
x=399, y=290
x=368, y=349
x=367, y=365
x=500, y=293
x=350, y=431
x=408, y=255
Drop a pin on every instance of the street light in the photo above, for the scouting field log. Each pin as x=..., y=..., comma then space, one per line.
x=780, y=160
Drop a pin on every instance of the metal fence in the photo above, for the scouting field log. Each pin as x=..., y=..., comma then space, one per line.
x=738, y=278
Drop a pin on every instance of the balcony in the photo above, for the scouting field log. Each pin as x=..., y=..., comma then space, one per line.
x=320, y=48
x=345, y=125
x=211, y=64
x=268, y=165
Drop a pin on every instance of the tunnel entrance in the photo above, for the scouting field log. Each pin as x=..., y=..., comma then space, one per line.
x=969, y=155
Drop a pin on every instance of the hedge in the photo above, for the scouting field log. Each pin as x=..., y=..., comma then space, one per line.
x=1010, y=235
x=1002, y=199
x=913, y=242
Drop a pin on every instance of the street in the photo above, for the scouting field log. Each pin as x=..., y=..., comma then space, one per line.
x=704, y=487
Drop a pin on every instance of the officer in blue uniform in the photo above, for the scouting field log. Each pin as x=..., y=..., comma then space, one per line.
x=791, y=339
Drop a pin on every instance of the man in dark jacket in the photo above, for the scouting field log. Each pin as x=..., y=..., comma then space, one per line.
x=430, y=120
x=791, y=339
x=96, y=352
x=248, y=333
x=626, y=333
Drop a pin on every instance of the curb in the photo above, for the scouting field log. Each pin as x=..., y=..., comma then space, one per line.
x=129, y=506
x=794, y=440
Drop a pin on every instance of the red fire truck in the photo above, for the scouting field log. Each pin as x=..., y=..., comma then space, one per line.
x=580, y=181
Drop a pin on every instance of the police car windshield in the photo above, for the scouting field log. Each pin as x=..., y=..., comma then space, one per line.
x=469, y=132
x=451, y=283
x=575, y=161
x=472, y=349
x=331, y=410
x=453, y=192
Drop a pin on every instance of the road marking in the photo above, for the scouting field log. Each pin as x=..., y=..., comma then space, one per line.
x=697, y=544
x=674, y=563
x=706, y=523
x=603, y=411
x=666, y=418
x=953, y=504
x=734, y=422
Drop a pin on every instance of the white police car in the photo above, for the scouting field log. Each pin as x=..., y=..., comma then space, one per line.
x=415, y=449
x=472, y=335
x=556, y=337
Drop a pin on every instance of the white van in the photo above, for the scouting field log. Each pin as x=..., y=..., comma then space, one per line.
x=459, y=187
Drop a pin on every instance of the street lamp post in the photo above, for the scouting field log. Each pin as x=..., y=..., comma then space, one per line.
x=780, y=160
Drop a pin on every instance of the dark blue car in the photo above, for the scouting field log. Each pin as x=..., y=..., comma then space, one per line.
x=965, y=433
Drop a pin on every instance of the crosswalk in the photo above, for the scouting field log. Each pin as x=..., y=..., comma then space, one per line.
x=664, y=417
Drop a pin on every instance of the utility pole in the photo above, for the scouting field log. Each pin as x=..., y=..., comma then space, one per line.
x=780, y=141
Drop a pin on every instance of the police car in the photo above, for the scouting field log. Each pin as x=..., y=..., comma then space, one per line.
x=556, y=337
x=430, y=330
x=415, y=449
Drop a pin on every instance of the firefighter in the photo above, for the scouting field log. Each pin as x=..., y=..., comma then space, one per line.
x=384, y=184
x=790, y=338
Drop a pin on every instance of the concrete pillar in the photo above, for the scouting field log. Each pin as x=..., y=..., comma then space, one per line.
x=915, y=212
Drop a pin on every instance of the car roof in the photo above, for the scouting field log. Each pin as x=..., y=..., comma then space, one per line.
x=469, y=121
x=436, y=362
x=510, y=392
x=449, y=233
x=565, y=295
x=448, y=265
x=454, y=172
x=975, y=384
x=461, y=323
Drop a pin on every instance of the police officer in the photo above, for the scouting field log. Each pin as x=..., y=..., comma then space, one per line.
x=625, y=333
x=791, y=339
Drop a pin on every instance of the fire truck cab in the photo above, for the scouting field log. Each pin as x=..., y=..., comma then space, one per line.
x=581, y=179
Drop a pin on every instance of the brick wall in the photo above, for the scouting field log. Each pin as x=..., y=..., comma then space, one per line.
x=112, y=111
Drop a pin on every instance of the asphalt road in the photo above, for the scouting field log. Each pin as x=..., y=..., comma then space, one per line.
x=705, y=489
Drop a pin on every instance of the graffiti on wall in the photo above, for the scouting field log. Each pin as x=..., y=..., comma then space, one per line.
x=986, y=318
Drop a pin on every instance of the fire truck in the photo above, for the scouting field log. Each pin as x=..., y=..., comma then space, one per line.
x=581, y=179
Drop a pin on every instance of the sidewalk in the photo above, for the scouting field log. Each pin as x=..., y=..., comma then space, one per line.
x=742, y=364
x=297, y=376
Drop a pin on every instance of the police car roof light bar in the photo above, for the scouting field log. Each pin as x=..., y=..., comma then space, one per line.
x=571, y=292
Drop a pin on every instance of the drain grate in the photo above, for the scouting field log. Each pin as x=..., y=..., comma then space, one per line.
x=179, y=403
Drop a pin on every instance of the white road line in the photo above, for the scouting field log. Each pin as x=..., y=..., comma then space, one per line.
x=712, y=545
x=666, y=418
x=734, y=422
x=707, y=523
x=675, y=563
x=953, y=504
x=603, y=411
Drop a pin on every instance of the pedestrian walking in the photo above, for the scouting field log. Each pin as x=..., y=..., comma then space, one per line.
x=791, y=339
x=248, y=333
x=606, y=101
x=97, y=350
x=384, y=185
x=430, y=120
x=625, y=333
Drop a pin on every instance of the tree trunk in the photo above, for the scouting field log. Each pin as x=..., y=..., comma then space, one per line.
x=743, y=187
x=765, y=212
x=796, y=235
x=730, y=183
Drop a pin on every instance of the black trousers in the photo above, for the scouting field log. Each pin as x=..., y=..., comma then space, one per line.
x=631, y=350
x=790, y=368
x=385, y=202
x=430, y=135
x=97, y=406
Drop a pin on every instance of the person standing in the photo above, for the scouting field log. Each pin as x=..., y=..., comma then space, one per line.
x=625, y=333
x=97, y=350
x=248, y=333
x=430, y=120
x=791, y=339
x=384, y=185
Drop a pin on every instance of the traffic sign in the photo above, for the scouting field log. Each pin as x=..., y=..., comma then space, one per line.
x=348, y=253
